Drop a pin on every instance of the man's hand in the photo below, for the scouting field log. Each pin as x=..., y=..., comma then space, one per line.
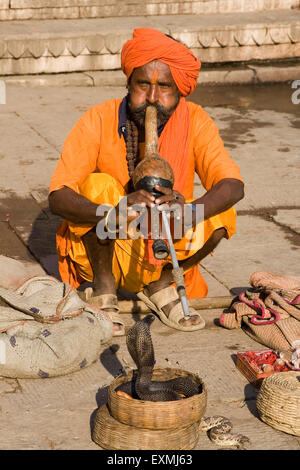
x=169, y=196
x=167, y=200
x=173, y=202
x=138, y=198
x=141, y=197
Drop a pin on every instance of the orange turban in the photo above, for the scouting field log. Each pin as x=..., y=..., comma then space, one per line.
x=149, y=44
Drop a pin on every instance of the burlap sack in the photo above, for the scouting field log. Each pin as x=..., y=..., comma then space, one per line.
x=271, y=317
x=46, y=330
x=14, y=272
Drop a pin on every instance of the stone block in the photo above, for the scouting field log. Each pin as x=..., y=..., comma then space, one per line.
x=225, y=38
x=225, y=6
x=270, y=73
x=55, y=46
x=4, y=4
x=23, y=4
x=16, y=48
x=206, y=77
x=56, y=13
x=244, y=37
x=190, y=39
x=9, y=15
x=61, y=64
x=239, y=76
x=226, y=76
x=279, y=35
x=259, y=36
x=54, y=80
x=155, y=9
x=76, y=45
x=36, y=48
x=97, y=12
x=207, y=39
x=3, y=48
x=294, y=33
x=6, y=15
x=108, y=78
x=95, y=43
x=247, y=53
x=248, y=5
x=114, y=43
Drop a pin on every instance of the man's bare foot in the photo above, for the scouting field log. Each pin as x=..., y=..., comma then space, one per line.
x=100, y=253
x=93, y=294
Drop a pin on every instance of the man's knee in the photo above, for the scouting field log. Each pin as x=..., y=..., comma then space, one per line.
x=91, y=237
x=219, y=233
x=101, y=188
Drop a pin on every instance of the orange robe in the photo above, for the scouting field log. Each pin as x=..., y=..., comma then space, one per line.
x=94, y=146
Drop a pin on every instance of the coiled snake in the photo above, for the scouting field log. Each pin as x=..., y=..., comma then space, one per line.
x=140, y=347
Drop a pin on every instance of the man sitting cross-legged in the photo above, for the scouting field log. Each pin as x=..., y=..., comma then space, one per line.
x=96, y=166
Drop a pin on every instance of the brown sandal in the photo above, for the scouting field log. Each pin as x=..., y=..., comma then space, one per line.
x=157, y=301
x=103, y=302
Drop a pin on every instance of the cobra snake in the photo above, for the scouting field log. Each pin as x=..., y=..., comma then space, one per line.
x=140, y=347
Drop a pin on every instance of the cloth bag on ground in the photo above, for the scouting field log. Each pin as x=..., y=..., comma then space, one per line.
x=46, y=330
x=269, y=316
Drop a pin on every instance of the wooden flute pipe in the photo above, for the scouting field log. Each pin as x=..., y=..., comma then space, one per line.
x=151, y=137
x=152, y=165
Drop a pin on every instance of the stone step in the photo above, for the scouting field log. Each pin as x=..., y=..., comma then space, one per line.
x=74, y=9
x=232, y=74
x=59, y=46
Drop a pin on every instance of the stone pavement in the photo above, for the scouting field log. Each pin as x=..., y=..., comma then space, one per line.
x=260, y=127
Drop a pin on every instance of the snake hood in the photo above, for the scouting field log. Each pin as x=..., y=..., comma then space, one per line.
x=139, y=343
x=140, y=347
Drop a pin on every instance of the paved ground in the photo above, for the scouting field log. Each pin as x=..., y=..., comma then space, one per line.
x=260, y=126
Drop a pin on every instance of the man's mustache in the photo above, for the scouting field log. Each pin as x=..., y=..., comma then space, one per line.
x=163, y=114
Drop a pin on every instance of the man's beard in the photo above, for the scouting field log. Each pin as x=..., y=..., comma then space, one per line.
x=163, y=114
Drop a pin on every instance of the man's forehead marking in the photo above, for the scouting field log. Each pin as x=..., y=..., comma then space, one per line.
x=154, y=77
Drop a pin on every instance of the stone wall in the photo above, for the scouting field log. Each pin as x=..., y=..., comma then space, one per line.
x=74, y=9
x=95, y=44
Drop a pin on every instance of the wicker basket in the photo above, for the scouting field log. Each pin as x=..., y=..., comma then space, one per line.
x=110, y=434
x=278, y=402
x=158, y=415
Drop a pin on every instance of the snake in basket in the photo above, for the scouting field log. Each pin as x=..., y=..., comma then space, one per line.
x=140, y=347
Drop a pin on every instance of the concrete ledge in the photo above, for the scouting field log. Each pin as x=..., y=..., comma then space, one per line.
x=55, y=80
x=75, y=9
x=275, y=73
x=62, y=46
x=250, y=74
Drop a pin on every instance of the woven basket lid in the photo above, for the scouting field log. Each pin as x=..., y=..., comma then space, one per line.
x=278, y=401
